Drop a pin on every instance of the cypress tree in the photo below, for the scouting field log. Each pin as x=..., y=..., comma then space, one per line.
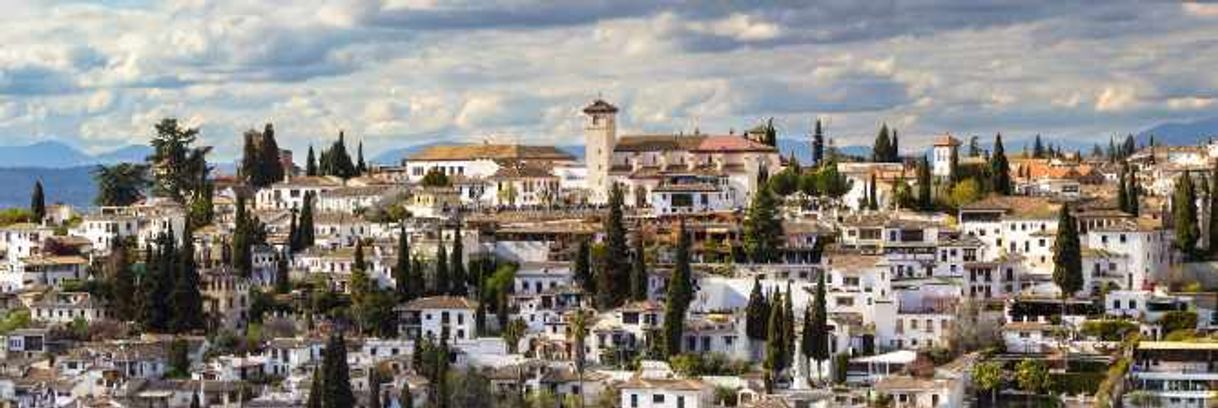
x=401, y=271
x=456, y=266
x=1038, y=149
x=1067, y=256
x=186, y=300
x=405, y=397
x=638, y=271
x=757, y=313
x=582, y=268
x=243, y=240
x=1122, y=189
x=1212, y=228
x=1184, y=215
x=762, y=228
x=283, y=283
x=294, y=233
x=360, y=166
x=1000, y=170
x=925, y=201
x=122, y=281
x=894, y=153
x=357, y=258
x=788, y=329
x=38, y=202
x=336, y=383
x=680, y=294
x=250, y=170
x=305, y=232
x=818, y=144
x=615, y=274
x=880, y=150
x=316, y=389
x=374, y=388
x=819, y=342
x=443, y=286
x=872, y=201
x=311, y=164
x=272, y=167
x=774, y=344
x=1133, y=199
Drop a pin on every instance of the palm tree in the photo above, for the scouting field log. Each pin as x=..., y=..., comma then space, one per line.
x=579, y=331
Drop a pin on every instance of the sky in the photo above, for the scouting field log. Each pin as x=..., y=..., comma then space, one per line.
x=394, y=73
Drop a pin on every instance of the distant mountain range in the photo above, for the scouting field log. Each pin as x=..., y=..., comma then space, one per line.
x=59, y=155
x=1181, y=133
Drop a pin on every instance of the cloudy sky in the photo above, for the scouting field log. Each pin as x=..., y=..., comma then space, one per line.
x=399, y=72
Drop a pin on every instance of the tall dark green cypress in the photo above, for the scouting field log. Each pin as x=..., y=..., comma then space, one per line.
x=336, y=382
x=756, y=313
x=360, y=166
x=283, y=269
x=186, y=300
x=401, y=271
x=1123, y=189
x=582, y=268
x=242, y=240
x=270, y=161
x=374, y=388
x=873, y=202
x=894, y=151
x=925, y=201
x=443, y=286
x=316, y=389
x=456, y=265
x=122, y=281
x=774, y=346
x=311, y=163
x=680, y=294
x=38, y=202
x=305, y=233
x=294, y=233
x=1000, y=170
x=1133, y=194
x=881, y=149
x=818, y=144
x=762, y=228
x=1184, y=215
x=1212, y=228
x=638, y=270
x=1038, y=149
x=1067, y=254
x=615, y=273
x=818, y=340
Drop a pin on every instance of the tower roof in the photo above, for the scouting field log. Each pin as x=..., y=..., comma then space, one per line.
x=946, y=140
x=600, y=106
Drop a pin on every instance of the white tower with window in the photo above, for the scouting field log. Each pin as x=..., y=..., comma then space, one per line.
x=941, y=160
x=600, y=137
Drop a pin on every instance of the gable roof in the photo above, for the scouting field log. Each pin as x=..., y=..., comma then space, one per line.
x=491, y=152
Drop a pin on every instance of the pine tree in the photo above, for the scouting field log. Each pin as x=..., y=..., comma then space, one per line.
x=818, y=144
x=1000, y=170
x=638, y=270
x=1067, y=256
x=880, y=151
x=1184, y=215
x=456, y=266
x=925, y=201
x=757, y=312
x=615, y=273
x=186, y=300
x=443, y=285
x=38, y=202
x=336, y=382
x=582, y=269
x=680, y=294
x=774, y=344
x=311, y=164
x=762, y=228
x=401, y=272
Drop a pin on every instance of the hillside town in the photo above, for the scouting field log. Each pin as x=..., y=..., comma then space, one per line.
x=679, y=270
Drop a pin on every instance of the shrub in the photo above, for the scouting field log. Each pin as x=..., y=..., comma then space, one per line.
x=1109, y=329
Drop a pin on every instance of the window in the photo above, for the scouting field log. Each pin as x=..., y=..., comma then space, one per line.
x=657, y=399
x=634, y=400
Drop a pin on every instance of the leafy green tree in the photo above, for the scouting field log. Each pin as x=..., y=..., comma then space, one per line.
x=121, y=184
x=615, y=273
x=785, y=182
x=988, y=378
x=762, y=228
x=1184, y=215
x=38, y=202
x=336, y=376
x=1032, y=375
x=435, y=178
x=471, y=388
x=179, y=358
x=638, y=270
x=680, y=294
x=1067, y=254
x=512, y=333
x=1000, y=169
x=965, y=192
